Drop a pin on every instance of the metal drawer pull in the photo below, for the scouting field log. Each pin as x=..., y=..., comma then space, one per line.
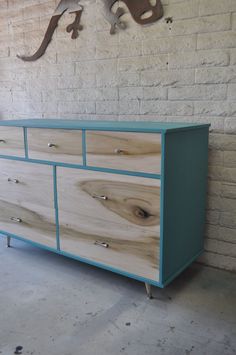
x=102, y=244
x=13, y=180
x=119, y=151
x=16, y=219
x=2, y=141
x=100, y=197
x=51, y=145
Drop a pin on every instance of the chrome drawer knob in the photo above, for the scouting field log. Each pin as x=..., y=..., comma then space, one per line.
x=2, y=141
x=100, y=197
x=102, y=244
x=16, y=219
x=119, y=151
x=13, y=180
x=51, y=145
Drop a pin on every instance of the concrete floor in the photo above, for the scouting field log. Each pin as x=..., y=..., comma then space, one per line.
x=52, y=305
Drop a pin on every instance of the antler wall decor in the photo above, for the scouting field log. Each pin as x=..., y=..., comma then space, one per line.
x=142, y=11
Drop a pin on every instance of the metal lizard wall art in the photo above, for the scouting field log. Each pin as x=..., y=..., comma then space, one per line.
x=142, y=11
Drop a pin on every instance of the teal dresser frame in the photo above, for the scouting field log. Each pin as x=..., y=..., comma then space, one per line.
x=183, y=187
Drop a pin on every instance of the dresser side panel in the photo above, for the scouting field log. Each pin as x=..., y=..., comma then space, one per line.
x=186, y=161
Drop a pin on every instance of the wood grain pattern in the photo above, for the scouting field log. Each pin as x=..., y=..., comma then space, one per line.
x=12, y=141
x=37, y=223
x=67, y=149
x=26, y=192
x=127, y=220
x=138, y=152
x=26, y=183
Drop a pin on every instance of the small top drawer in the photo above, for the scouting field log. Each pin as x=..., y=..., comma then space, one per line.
x=138, y=152
x=12, y=141
x=57, y=145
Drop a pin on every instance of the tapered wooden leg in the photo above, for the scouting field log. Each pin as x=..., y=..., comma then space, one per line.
x=8, y=242
x=149, y=290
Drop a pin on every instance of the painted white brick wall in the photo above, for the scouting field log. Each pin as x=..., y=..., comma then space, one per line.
x=184, y=71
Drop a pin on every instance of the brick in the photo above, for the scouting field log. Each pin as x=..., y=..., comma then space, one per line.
x=175, y=10
x=198, y=92
x=232, y=56
x=213, y=217
x=79, y=81
x=167, y=77
x=130, y=107
x=129, y=49
x=229, y=190
x=230, y=125
x=197, y=59
x=210, y=7
x=222, y=141
x=221, y=233
x=107, y=107
x=232, y=92
x=218, y=260
x=169, y=45
x=216, y=75
x=201, y=25
x=234, y=21
x=227, y=249
x=166, y=108
x=143, y=63
x=77, y=107
x=104, y=94
x=214, y=188
x=230, y=159
x=229, y=174
x=226, y=39
x=154, y=93
x=129, y=93
x=128, y=79
x=228, y=219
x=209, y=108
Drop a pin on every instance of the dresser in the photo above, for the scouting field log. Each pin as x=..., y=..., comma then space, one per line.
x=128, y=197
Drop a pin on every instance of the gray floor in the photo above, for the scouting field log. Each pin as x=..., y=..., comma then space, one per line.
x=52, y=305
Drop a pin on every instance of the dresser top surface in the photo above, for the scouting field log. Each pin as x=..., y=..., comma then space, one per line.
x=136, y=126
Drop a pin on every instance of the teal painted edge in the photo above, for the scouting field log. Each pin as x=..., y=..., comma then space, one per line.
x=82, y=167
x=116, y=126
x=86, y=261
x=56, y=207
x=84, y=147
x=162, y=205
x=178, y=272
x=26, y=143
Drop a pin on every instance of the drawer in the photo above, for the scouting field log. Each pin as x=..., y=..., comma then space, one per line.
x=27, y=201
x=36, y=223
x=110, y=219
x=57, y=145
x=26, y=183
x=138, y=152
x=12, y=141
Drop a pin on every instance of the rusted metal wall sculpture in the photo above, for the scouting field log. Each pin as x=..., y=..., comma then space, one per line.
x=72, y=6
x=142, y=11
x=138, y=9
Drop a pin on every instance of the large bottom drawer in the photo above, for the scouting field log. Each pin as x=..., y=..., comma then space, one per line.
x=111, y=219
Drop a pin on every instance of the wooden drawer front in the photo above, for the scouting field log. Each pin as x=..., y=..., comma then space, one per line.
x=12, y=141
x=123, y=212
x=138, y=152
x=26, y=184
x=58, y=145
x=27, y=201
x=36, y=223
